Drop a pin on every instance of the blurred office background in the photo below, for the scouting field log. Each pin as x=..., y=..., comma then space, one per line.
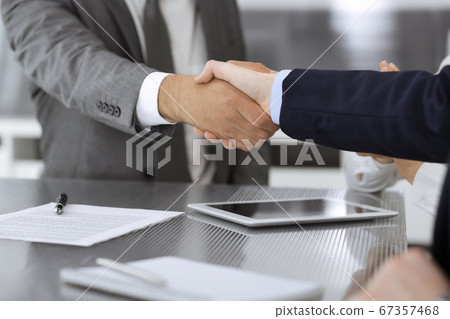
x=281, y=34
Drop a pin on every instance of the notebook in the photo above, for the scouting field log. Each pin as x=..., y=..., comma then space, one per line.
x=192, y=280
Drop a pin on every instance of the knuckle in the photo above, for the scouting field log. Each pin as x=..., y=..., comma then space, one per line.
x=231, y=100
x=228, y=114
x=209, y=63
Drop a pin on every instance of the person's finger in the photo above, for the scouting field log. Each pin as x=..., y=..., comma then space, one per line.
x=231, y=143
x=364, y=154
x=208, y=72
x=254, y=66
x=245, y=145
x=199, y=132
x=241, y=78
x=223, y=71
x=215, y=141
x=210, y=136
x=226, y=143
x=393, y=67
x=384, y=66
x=257, y=117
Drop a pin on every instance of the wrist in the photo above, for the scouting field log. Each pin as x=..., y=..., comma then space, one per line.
x=413, y=172
x=276, y=95
x=172, y=97
x=408, y=169
x=266, y=92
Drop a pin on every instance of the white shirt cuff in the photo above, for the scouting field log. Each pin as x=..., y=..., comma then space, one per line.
x=427, y=186
x=364, y=174
x=276, y=96
x=147, y=113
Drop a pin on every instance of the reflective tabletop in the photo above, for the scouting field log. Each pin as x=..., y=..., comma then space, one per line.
x=338, y=255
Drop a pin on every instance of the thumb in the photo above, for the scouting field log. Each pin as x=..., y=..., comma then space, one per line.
x=254, y=84
x=209, y=72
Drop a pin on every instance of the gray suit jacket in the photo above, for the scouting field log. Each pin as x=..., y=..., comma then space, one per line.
x=85, y=86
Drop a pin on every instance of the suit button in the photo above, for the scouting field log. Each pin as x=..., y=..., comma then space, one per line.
x=99, y=106
x=105, y=107
x=111, y=110
x=117, y=111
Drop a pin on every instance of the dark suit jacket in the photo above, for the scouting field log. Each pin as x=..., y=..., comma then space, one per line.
x=85, y=86
x=400, y=114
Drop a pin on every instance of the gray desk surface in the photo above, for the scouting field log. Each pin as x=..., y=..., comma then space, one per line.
x=332, y=254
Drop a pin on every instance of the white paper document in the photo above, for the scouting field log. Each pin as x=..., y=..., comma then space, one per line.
x=78, y=225
x=192, y=280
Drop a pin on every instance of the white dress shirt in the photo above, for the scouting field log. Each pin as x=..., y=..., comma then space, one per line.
x=427, y=186
x=189, y=54
x=364, y=174
x=188, y=51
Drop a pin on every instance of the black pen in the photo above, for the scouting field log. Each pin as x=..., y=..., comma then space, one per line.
x=61, y=201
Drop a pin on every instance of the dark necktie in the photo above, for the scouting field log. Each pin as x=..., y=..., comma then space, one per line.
x=159, y=53
x=159, y=57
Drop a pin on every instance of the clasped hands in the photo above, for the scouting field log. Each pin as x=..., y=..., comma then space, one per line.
x=227, y=102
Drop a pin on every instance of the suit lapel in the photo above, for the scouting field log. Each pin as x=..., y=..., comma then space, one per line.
x=124, y=22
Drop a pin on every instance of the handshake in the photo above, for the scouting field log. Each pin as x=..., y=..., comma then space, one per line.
x=227, y=103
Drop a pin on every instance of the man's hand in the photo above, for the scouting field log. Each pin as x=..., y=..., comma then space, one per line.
x=409, y=277
x=254, y=66
x=256, y=85
x=391, y=67
x=216, y=107
x=407, y=168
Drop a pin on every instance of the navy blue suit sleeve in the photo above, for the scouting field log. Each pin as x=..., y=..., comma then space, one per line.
x=399, y=114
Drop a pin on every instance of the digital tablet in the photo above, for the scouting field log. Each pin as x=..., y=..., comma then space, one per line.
x=288, y=212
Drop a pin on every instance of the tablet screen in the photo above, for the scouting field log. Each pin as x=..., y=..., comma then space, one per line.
x=295, y=208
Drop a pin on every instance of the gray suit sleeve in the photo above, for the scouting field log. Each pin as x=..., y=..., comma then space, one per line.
x=62, y=57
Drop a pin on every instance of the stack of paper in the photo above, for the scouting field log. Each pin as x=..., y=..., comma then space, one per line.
x=191, y=280
x=78, y=225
